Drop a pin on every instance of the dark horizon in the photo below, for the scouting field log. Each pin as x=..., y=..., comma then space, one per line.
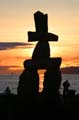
x=64, y=70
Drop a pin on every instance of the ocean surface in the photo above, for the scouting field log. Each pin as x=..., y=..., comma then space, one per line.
x=12, y=80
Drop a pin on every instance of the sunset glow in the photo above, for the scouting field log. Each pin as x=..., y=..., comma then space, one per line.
x=16, y=19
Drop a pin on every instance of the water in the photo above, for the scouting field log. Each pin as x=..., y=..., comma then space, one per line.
x=9, y=80
x=73, y=80
x=12, y=82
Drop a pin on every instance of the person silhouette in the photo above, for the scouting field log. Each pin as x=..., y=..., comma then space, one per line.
x=66, y=85
x=7, y=90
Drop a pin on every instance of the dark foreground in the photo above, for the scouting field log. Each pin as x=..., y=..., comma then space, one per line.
x=13, y=105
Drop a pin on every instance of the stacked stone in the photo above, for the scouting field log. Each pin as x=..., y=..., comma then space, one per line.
x=41, y=54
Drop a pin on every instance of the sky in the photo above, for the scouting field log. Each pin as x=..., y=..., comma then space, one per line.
x=16, y=19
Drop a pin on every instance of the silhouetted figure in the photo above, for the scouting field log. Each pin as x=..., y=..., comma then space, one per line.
x=29, y=79
x=7, y=91
x=66, y=85
x=28, y=83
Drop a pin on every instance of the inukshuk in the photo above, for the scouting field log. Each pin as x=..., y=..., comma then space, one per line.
x=41, y=54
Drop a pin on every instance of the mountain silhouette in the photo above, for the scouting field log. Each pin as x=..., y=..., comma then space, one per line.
x=70, y=70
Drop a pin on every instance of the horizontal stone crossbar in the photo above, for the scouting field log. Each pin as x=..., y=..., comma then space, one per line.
x=43, y=63
x=38, y=36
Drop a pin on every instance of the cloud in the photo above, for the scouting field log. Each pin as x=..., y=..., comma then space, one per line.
x=4, y=68
x=9, y=69
x=11, y=45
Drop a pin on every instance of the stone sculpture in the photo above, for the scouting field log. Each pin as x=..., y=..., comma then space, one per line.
x=41, y=56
